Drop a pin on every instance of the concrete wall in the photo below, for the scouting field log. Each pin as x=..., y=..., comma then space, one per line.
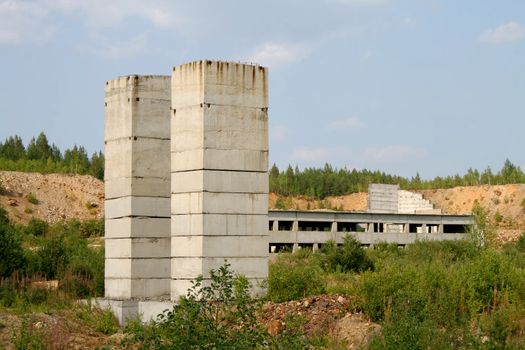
x=390, y=199
x=382, y=198
x=137, y=187
x=219, y=171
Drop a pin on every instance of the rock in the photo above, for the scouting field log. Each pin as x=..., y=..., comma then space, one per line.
x=275, y=327
x=341, y=299
x=12, y=202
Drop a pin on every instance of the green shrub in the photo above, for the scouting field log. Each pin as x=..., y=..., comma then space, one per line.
x=92, y=228
x=215, y=315
x=295, y=276
x=12, y=256
x=31, y=198
x=106, y=322
x=36, y=227
x=349, y=256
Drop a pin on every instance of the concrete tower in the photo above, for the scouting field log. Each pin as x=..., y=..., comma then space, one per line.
x=219, y=171
x=137, y=186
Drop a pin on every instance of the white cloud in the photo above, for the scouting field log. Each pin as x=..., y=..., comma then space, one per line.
x=276, y=55
x=347, y=124
x=319, y=155
x=114, y=12
x=279, y=133
x=394, y=153
x=22, y=22
x=505, y=33
x=34, y=21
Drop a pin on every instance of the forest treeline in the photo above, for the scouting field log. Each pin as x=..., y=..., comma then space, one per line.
x=40, y=156
x=329, y=181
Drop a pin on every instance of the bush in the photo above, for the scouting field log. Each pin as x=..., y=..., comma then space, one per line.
x=92, y=228
x=31, y=198
x=36, y=227
x=106, y=322
x=350, y=256
x=295, y=276
x=11, y=252
x=218, y=315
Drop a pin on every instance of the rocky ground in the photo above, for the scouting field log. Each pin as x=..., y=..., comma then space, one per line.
x=320, y=315
x=56, y=196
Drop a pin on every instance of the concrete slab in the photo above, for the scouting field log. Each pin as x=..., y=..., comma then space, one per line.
x=143, y=268
x=217, y=82
x=219, y=224
x=219, y=181
x=137, y=288
x=220, y=246
x=137, y=206
x=137, y=248
x=136, y=186
x=240, y=160
x=219, y=203
x=191, y=267
x=137, y=106
x=137, y=227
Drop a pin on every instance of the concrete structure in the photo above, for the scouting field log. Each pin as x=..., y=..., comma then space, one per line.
x=290, y=230
x=390, y=199
x=137, y=187
x=219, y=164
x=187, y=189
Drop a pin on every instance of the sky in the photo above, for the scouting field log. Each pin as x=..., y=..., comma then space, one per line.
x=417, y=86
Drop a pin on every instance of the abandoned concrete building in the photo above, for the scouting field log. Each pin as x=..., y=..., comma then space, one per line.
x=186, y=183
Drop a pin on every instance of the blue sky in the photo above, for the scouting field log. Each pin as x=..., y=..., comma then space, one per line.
x=428, y=86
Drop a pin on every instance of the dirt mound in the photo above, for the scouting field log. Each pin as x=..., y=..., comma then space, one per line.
x=321, y=315
x=350, y=202
x=51, y=197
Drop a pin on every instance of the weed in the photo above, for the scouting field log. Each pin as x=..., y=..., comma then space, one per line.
x=106, y=322
x=295, y=276
x=28, y=338
x=31, y=198
x=350, y=256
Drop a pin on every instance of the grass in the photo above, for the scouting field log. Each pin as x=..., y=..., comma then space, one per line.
x=31, y=198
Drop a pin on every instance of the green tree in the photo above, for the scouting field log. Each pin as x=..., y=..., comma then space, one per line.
x=13, y=148
x=11, y=253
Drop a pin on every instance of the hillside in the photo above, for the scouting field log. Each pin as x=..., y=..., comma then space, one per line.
x=58, y=196
x=63, y=197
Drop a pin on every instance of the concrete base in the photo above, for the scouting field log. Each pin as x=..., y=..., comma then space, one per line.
x=125, y=310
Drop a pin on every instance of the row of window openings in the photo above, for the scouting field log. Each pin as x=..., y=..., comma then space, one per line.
x=289, y=247
x=326, y=226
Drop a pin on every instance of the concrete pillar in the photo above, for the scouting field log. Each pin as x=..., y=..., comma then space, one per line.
x=137, y=187
x=333, y=228
x=219, y=171
x=275, y=226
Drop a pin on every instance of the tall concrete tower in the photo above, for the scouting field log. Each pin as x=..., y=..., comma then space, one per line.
x=137, y=187
x=219, y=171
